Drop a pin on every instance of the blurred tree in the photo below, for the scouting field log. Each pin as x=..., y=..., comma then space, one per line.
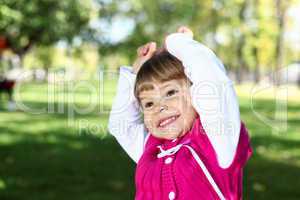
x=44, y=56
x=255, y=34
x=25, y=23
x=260, y=49
x=241, y=39
x=232, y=32
x=281, y=8
x=246, y=34
x=153, y=20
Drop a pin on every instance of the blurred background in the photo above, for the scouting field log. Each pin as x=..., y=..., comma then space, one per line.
x=59, y=64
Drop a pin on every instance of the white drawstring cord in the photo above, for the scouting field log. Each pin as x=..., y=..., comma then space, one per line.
x=168, y=152
x=206, y=172
x=173, y=150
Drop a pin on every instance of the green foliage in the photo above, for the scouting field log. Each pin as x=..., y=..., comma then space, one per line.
x=243, y=32
x=44, y=56
x=153, y=20
x=26, y=23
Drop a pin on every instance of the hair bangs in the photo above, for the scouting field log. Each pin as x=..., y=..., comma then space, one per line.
x=161, y=67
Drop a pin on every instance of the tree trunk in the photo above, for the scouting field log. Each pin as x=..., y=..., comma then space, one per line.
x=46, y=68
x=214, y=27
x=242, y=66
x=241, y=43
x=257, y=65
x=238, y=75
x=298, y=81
x=21, y=60
x=255, y=34
x=279, y=51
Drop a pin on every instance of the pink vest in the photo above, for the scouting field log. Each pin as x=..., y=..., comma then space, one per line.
x=178, y=175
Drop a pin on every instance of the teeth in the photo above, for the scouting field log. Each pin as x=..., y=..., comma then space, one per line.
x=167, y=121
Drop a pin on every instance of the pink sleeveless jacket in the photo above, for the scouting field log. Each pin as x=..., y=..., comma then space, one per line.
x=177, y=174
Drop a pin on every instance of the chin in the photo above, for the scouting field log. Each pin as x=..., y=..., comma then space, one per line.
x=170, y=136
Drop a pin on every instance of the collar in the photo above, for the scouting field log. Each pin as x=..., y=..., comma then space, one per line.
x=172, y=150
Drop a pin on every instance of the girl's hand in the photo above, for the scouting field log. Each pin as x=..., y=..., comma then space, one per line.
x=185, y=30
x=143, y=54
x=181, y=29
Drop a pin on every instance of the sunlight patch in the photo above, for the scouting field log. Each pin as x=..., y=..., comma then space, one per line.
x=2, y=184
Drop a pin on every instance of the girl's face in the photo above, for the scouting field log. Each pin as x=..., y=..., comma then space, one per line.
x=168, y=111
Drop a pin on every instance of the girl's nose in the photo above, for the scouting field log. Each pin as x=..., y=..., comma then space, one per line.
x=164, y=107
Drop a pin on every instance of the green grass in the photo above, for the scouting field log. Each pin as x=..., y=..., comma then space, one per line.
x=69, y=155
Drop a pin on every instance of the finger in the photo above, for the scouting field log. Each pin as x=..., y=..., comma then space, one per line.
x=140, y=51
x=181, y=29
x=185, y=30
x=151, y=49
x=146, y=49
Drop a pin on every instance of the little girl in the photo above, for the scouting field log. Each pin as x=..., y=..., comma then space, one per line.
x=189, y=143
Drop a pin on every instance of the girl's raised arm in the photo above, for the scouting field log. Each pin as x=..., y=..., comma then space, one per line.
x=212, y=92
x=125, y=120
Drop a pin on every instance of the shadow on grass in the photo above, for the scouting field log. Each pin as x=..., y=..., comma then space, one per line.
x=267, y=178
x=65, y=167
x=83, y=167
x=58, y=164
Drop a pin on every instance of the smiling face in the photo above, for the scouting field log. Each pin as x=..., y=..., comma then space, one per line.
x=168, y=112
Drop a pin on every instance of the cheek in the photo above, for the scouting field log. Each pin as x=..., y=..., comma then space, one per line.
x=188, y=111
x=149, y=121
x=184, y=102
x=179, y=102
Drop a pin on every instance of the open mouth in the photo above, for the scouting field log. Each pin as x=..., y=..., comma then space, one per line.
x=167, y=121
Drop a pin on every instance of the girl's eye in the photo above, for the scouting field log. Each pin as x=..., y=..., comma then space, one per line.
x=171, y=92
x=148, y=104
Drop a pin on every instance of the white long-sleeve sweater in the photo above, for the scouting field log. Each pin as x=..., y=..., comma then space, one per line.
x=213, y=97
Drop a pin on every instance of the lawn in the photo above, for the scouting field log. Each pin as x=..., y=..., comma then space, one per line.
x=59, y=147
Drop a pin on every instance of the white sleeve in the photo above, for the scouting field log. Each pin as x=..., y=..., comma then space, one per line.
x=212, y=93
x=125, y=120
